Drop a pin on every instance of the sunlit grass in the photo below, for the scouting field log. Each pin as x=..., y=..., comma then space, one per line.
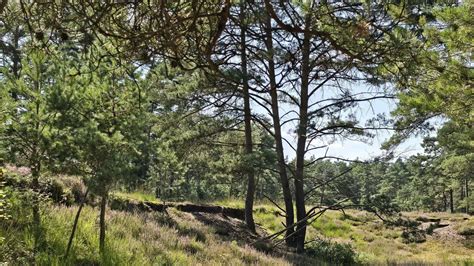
x=136, y=195
x=145, y=239
x=180, y=239
x=373, y=241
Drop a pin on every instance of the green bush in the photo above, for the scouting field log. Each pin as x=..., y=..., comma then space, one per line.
x=76, y=187
x=3, y=199
x=55, y=190
x=332, y=252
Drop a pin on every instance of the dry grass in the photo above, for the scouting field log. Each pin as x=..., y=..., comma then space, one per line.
x=137, y=239
x=179, y=238
x=376, y=243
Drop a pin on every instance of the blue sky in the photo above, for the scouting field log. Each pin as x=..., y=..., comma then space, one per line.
x=352, y=149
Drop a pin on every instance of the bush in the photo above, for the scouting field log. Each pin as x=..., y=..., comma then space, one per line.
x=413, y=236
x=76, y=186
x=55, y=189
x=332, y=252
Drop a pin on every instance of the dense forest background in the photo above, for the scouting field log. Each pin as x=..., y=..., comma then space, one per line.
x=202, y=101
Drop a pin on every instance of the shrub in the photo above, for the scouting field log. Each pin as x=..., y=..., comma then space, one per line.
x=3, y=200
x=263, y=246
x=78, y=190
x=55, y=189
x=332, y=252
x=413, y=236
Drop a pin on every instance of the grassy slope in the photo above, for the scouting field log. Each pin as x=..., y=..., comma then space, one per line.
x=181, y=239
x=372, y=240
x=132, y=239
x=376, y=243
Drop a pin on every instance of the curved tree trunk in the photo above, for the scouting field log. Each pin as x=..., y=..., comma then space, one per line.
x=103, y=205
x=285, y=184
x=76, y=221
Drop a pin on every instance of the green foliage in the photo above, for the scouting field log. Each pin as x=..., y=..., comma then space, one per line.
x=75, y=99
x=4, y=202
x=332, y=252
x=438, y=82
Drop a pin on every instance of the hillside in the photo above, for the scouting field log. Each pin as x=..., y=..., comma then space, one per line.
x=179, y=236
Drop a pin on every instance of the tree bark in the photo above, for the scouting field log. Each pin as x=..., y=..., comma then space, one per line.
x=35, y=206
x=103, y=205
x=466, y=184
x=445, y=201
x=249, y=199
x=285, y=184
x=35, y=162
x=451, y=201
x=301, y=143
x=76, y=221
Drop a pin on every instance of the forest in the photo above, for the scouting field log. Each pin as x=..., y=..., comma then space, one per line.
x=236, y=132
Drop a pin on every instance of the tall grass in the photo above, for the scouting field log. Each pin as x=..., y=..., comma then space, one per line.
x=181, y=239
x=132, y=239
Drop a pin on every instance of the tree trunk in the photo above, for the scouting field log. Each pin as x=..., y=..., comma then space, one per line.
x=301, y=143
x=466, y=183
x=451, y=201
x=76, y=221
x=35, y=171
x=249, y=200
x=445, y=201
x=35, y=162
x=103, y=205
x=285, y=184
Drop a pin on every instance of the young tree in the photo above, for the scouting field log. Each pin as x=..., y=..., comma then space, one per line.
x=29, y=127
x=103, y=109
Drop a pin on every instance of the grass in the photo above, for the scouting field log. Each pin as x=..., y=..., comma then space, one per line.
x=136, y=195
x=376, y=243
x=132, y=239
x=181, y=239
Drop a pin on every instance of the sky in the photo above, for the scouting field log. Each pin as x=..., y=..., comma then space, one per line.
x=351, y=149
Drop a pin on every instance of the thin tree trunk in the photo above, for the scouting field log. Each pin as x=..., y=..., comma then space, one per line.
x=445, y=201
x=36, y=170
x=103, y=205
x=35, y=207
x=451, y=201
x=76, y=221
x=466, y=183
x=301, y=143
x=285, y=184
x=249, y=200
